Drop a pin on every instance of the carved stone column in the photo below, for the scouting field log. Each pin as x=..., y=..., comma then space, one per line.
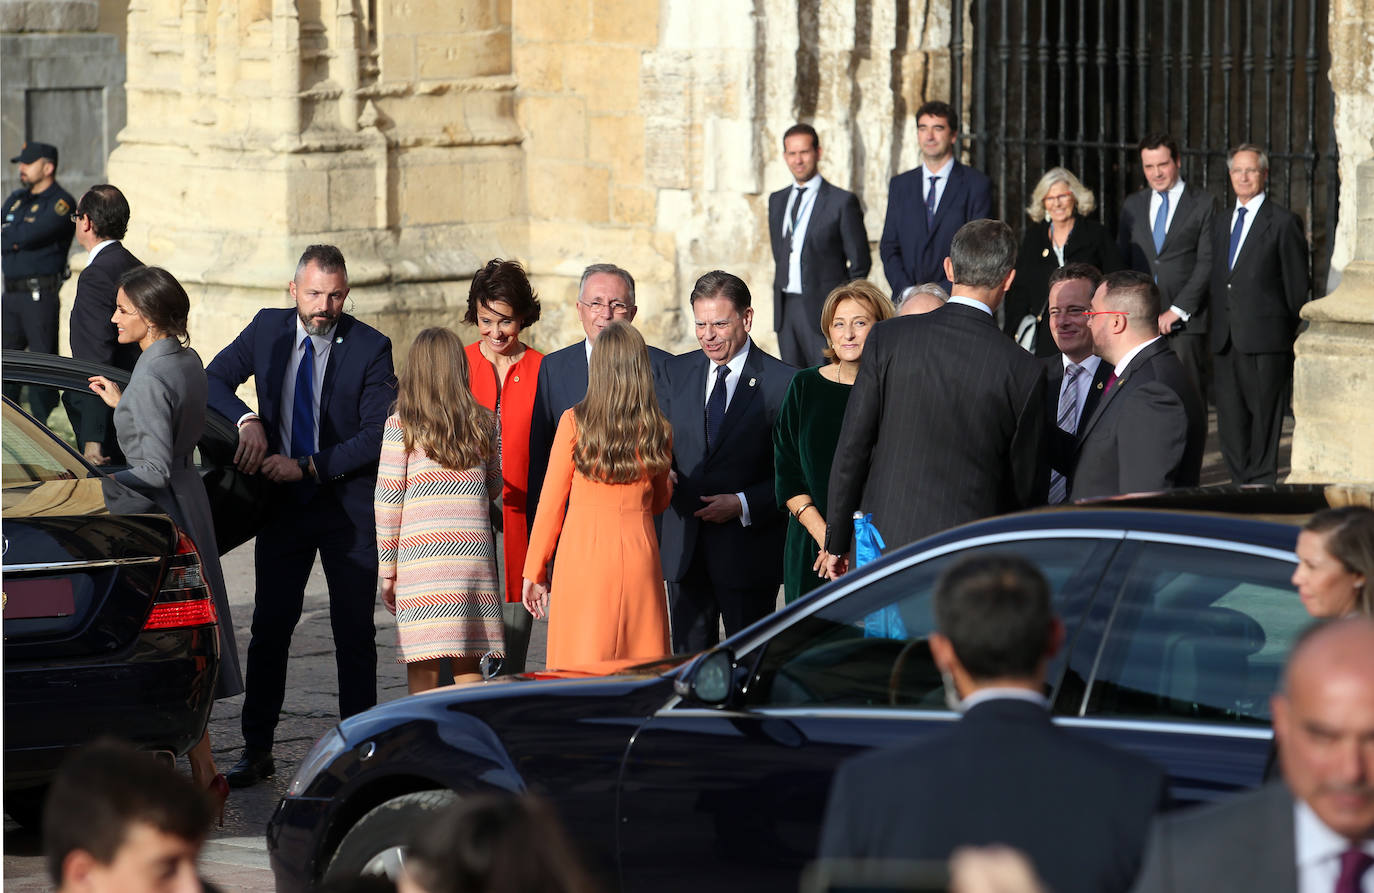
x=258, y=127
x=1333, y=383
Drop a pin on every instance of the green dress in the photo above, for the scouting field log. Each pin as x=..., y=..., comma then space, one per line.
x=804, y=440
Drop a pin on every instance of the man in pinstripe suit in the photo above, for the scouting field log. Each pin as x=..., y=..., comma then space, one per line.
x=946, y=423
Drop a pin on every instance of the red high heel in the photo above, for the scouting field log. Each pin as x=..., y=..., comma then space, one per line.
x=218, y=789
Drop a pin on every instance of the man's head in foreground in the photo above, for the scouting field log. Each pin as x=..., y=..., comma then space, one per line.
x=118, y=820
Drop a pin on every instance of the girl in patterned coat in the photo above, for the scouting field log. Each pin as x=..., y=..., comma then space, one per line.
x=440, y=471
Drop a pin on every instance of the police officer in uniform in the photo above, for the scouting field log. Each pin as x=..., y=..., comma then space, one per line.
x=37, y=234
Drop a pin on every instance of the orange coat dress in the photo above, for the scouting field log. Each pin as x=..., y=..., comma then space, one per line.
x=516, y=406
x=607, y=601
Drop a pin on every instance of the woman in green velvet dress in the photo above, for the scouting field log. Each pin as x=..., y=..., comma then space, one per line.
x=808, y=427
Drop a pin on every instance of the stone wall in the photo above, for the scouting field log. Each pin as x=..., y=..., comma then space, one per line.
x=1333, y=438
x=427, y=136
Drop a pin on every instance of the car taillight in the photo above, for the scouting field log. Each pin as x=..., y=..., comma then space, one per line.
x=184, y=599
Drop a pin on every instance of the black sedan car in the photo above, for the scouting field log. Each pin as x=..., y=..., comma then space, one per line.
x=713, y=774
x=108, y=625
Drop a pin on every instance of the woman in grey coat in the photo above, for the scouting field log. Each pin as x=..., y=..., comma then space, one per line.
x=160, y=417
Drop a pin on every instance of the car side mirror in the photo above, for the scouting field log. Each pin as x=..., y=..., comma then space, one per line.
x=709, y=679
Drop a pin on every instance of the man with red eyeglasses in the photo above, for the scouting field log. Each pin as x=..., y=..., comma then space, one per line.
x=1148, y=430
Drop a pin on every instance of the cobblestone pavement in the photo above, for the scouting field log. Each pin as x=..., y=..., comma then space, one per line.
x=235, y=857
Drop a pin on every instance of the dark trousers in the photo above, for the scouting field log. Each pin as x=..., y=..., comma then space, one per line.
x=286, y=550
x=517, y=622
x=698, y=605
x=800, y=342
x=1196, y=356
x=31, y=324
x=1251, y=389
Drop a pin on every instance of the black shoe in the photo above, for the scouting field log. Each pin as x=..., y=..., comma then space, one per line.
x=251, y=769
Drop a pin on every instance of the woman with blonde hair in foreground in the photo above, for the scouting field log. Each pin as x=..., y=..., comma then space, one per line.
x=439, y=472
x=609, y=467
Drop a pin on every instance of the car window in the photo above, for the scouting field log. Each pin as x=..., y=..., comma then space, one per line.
x=869, y=649
x=1199, y=634
x=80, y=419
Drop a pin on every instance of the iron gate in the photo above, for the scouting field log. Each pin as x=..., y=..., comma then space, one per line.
x=1078, y=82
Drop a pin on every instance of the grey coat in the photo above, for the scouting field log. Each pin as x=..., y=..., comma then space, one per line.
x=1243, y=843
x=160, y=418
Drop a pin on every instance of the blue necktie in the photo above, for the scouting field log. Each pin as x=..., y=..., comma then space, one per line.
x=303, y=407
x=930, y=204
x=1235, y=237
x=715, y=406
x=1161, y=221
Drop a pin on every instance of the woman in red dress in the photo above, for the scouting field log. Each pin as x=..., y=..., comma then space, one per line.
x=503, y=373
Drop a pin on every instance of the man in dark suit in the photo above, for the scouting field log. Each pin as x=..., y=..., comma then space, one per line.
x=927, y=205
x=606, y=293
x=1075, y=377
x=1148, y=430
x=819, y=242
x=946, y=422
x=723, y=533
x=325, y=386
x=1166, y=231
x=1259, y=282
x=1315, y=829
x=102, y=217
x=1003, y=774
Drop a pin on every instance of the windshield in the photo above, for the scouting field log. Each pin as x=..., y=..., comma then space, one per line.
x=36, y=467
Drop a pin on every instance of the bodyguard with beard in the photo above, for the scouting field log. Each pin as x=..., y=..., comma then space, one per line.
x=325, y=385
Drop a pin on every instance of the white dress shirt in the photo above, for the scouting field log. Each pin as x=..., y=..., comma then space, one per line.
x=1130, y=355
x=809, y=190
x=970, y=302
x=1082, y=384
x=322, y=344
x=1008, y=693
x=1318, y=850
x=1251, y=208
x=736, y=365
x=1175, y=194
x=96, y=249
x=943, y=180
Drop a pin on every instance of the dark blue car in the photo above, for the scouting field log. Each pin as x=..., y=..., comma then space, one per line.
x=712, y=773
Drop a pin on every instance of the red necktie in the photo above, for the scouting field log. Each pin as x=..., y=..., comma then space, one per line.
x=1111, y=380
x=1354, y=863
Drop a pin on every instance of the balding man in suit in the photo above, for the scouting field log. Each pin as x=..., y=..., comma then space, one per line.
x=1148, y=430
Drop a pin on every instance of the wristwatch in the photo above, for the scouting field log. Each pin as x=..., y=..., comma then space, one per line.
x=304, y=463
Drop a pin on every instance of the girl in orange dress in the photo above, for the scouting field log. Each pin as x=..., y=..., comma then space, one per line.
x=609, y=465
x=503, y=374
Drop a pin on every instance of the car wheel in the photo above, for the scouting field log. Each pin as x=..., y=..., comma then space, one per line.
x=376, y=845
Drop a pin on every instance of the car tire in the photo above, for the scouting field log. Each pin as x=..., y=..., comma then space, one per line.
x=376, y=844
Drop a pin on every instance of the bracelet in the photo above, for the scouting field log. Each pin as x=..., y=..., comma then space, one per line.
x=798, y=513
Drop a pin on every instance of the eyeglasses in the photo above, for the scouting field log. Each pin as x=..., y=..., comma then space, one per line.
x=1071, y=313
x=76, y=218
x=1091, y=313
x=1249, y=171
x=1055, y=199
x=601, y=308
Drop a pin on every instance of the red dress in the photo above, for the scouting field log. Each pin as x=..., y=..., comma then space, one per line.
x=514, y=405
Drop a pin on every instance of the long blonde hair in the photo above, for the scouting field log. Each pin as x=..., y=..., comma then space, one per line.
x=621, y=433
x=437, y=410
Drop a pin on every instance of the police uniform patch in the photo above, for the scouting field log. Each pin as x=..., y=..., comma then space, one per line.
x=62, y=208
x=34, y=208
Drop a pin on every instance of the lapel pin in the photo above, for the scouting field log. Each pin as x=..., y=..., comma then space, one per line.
x=338, y=340
x=1045, y=253
x=1099, y=385
x=752, y=381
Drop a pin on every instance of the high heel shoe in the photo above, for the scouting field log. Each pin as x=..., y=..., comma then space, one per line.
x=218, y=789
